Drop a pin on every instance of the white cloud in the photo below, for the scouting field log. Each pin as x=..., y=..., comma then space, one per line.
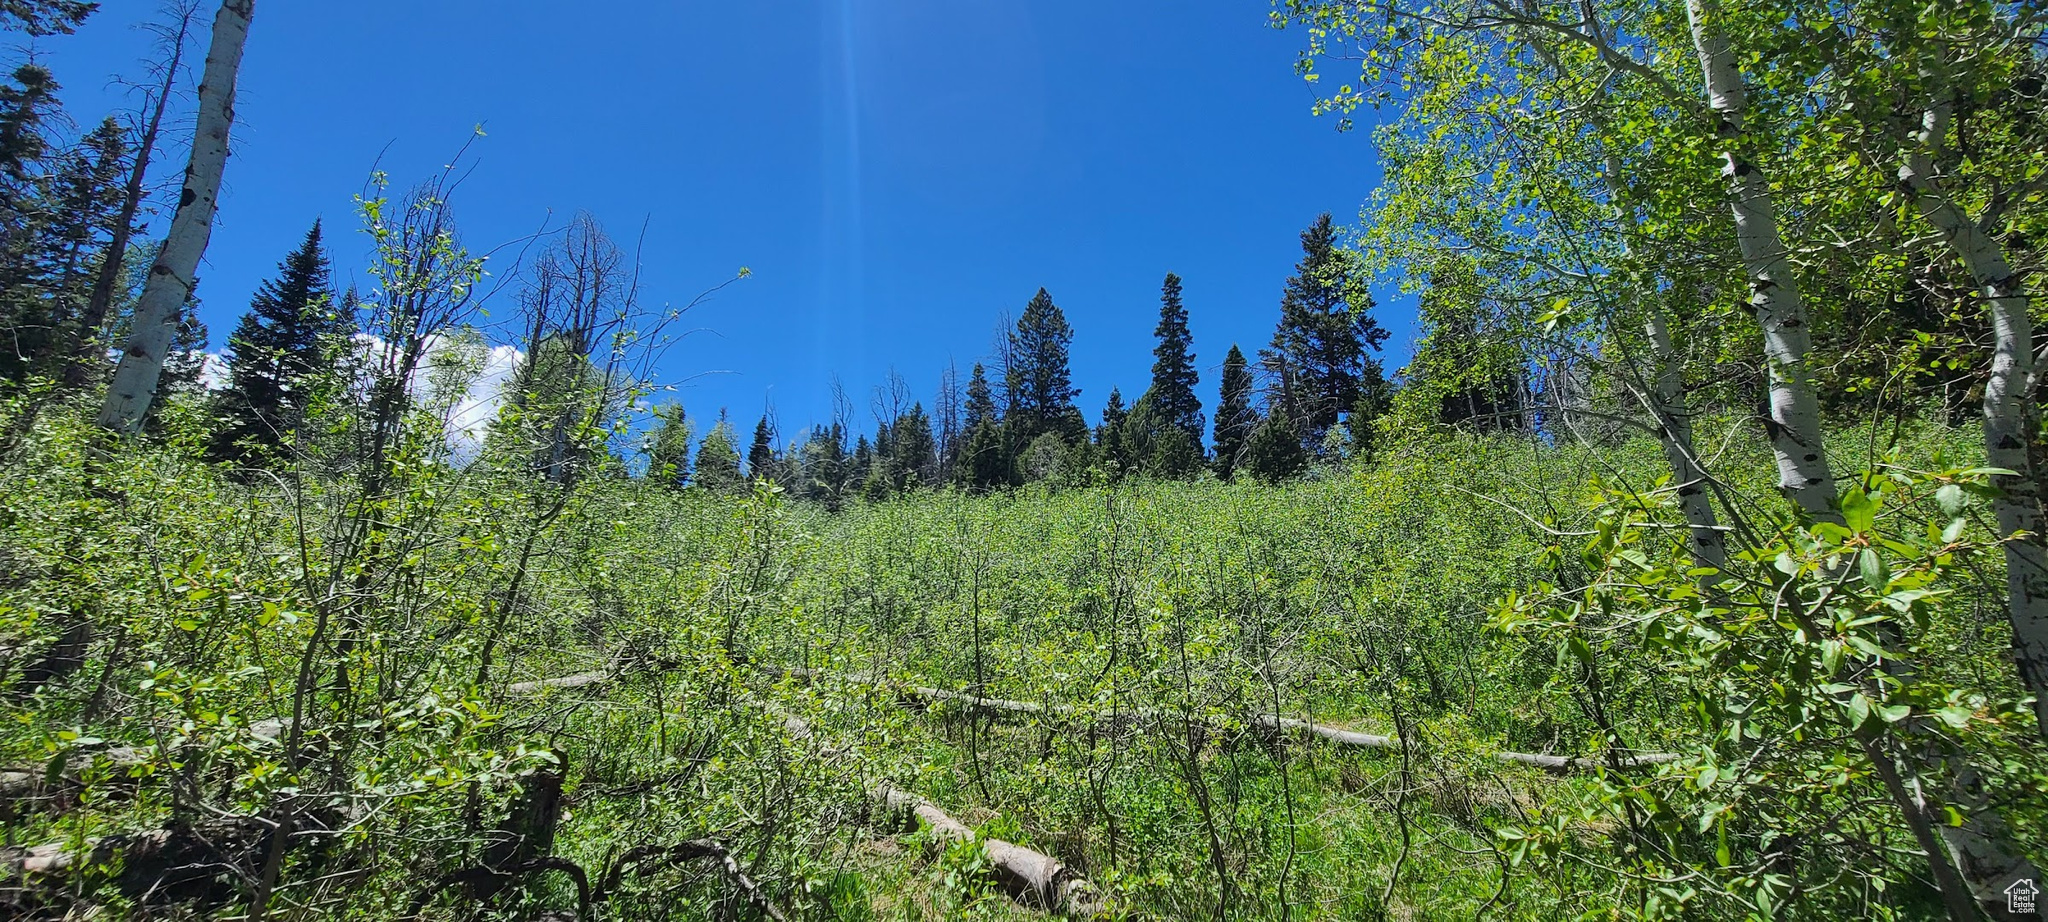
x=469, y=415
x=213, y=371
x=472, y=413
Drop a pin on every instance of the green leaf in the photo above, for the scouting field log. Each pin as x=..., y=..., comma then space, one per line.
x=1859, y=510
x=1875, y=574
x=1859, y=709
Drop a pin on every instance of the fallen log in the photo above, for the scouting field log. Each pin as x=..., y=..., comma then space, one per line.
x=52, y=784
x=579, y=680
x=1035, y=879
x=1559, y=764
x=1271, y=723
x=1006, y=707
x=202, y=863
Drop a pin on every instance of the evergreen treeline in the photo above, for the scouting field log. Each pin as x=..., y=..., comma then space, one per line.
x=1321, y=372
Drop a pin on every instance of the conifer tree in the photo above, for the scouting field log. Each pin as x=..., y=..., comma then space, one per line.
x=718, y=459
x=1110, y=436
x=1038, y=381
x=44, y=17
x=1361, y=424
x=987, y=462
x=761, y=454
x=27, y=100
x=913, y=452
x=1173, y=366
x=70, y=210
x=863, y=462
x=1173, y=455
x=89, y=198
x=1275, y=452
x=1326, y=326
x=277, y=352
x=981, y=401
x=1235, y=417
x=825, y=465
x=1158, y=447
x=668, y=446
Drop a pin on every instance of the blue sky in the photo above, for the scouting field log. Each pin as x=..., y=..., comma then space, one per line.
x=896, y=174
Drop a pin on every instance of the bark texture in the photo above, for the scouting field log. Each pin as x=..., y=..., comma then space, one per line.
x=2009, y=419
x=1034, y=878
x=100, y=306
x=1978, y=845
x=1794, y=424
x=1674, y=430
x=133, y=391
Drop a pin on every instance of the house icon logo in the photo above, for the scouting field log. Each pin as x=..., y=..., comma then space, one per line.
x=2022, y=896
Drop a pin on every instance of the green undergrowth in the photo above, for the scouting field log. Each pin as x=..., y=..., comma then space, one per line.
x=1364, y=598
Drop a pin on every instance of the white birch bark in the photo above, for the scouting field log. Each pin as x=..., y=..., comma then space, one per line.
x=1794, y=424
x=1674, y=426
x=2008, y=417
x=170, y=279
x=1666, y=398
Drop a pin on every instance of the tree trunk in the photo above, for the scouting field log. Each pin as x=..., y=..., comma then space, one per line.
x=2008, y=414
x=1036, y=879
x=1794, y=424
x=100, y=305
x=170, y=280
x=1978, y=846
x=1674, y=432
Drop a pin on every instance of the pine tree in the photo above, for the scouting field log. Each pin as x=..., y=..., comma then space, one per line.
x=981, y=401
x=825, y=466
x=44, y=17
x=24, y=105
x=1361, y=426
x=1110, y=436
x=1275, y=452
x=718, y=460
x=282, y=345
x=1158, y=447
x=89, y=193
x=27, y=318
x=1174, y=456
x=913, y=452
x=1038, y=380
x=1326, y=326
x=49, y=265
x=1173, y=366
x=863, y=462
x=987, y=462
x=1235, y=417
x=668, y=447
x=761, y=454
